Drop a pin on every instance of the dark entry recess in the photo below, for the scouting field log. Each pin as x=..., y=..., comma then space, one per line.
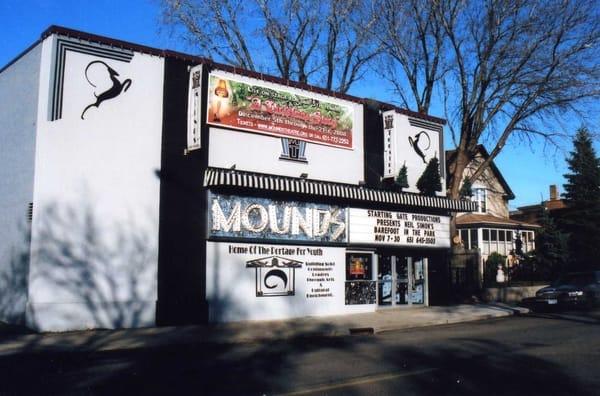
x=464, y=278
x=182, y=246
x=439, y=278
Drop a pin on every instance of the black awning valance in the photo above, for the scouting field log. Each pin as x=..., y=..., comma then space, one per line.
x=226, y=177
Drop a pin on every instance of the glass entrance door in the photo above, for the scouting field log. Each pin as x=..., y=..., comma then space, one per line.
x=401, y=280
x=385, y=283
x=417, y=281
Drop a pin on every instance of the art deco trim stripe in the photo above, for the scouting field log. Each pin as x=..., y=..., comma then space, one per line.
x=226, y=177
x=60, y=53
x=425, y=124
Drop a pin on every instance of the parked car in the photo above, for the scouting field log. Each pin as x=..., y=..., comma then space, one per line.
x=574, y=289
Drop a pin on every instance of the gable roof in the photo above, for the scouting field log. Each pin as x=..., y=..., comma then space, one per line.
x=471, y=219
x=484, y=153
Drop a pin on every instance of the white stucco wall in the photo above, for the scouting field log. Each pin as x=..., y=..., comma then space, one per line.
x=18, y=115
x=96, y=196
x=232, y=286
x=404, y=143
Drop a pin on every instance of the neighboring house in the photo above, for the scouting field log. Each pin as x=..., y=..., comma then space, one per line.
x=490, y=229
x=533, y=213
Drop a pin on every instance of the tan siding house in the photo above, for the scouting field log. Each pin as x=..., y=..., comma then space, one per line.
x=490, y=229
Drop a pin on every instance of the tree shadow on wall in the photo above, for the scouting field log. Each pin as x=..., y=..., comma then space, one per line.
x=89, y=273
x=14, y=274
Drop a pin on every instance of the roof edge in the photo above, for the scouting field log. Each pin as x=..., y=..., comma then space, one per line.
x=492, y=220
x=20, y=55
x=497, y=225
x=55, y=29
x=166, y=53
x=509, y=192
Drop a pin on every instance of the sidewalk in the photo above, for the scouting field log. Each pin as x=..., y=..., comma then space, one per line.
x=156, y=337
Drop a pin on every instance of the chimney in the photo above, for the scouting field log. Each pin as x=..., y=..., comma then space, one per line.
x=553, y=192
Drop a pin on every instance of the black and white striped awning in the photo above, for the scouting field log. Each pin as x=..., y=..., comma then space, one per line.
x=226, y=177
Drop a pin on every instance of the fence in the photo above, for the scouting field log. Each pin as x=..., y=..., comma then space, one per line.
x=522, y=273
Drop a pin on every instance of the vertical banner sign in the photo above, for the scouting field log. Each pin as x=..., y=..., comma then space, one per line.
x=194, y=108
x=254, y=107
x=389, y=158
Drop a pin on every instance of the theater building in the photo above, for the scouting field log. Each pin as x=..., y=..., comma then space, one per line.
x=146, y=187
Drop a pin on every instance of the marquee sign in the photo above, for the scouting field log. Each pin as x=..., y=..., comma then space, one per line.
x=261, y=218
x=258, y=108
x=382, y=227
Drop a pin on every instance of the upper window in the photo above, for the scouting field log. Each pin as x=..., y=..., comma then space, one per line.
x=479, y=196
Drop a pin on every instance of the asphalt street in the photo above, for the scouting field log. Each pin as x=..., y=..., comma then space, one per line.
x=545, y=353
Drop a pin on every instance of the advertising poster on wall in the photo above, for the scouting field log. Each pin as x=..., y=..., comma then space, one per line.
x=233, y=216
x=384, y=227
x=253, y=107
x=360, y=287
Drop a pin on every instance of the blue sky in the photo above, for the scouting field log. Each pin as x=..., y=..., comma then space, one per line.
x=528, y=170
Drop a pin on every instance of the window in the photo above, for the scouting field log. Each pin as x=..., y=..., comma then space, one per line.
x=474, y=242
x=464, y=237
x=469, y=238
x=510, y=240
x=502, y=241
x=486, y=241
x=528, y=241
x=479, y=196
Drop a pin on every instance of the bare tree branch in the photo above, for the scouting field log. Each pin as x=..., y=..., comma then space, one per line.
x=214, y=26
x=414, y=43
x=322, y=42
x=514, y=62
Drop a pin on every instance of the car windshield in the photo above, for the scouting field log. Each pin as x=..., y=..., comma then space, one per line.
x=575, y=279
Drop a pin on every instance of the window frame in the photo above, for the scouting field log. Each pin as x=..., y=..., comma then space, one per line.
x=480, y=198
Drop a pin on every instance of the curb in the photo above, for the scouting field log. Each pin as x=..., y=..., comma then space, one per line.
x=446, y=322
x=198, y=335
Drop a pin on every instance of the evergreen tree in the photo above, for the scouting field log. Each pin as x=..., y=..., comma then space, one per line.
x=466, y=191
x=552, y=254
x=583, y=183
x=581, y=219
x=402, y=178
x=429, y=182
